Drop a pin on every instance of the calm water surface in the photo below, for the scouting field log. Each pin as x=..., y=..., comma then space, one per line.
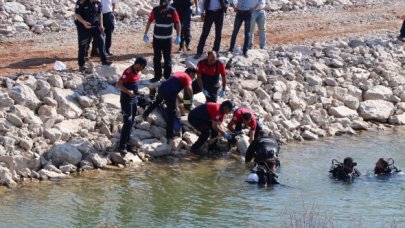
x=212, y=193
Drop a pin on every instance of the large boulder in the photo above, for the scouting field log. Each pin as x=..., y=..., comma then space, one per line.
x=61, y=153
x=378, y=110
x=67, y=103
x=342, y=112
x=378, y=93
x=24, y=95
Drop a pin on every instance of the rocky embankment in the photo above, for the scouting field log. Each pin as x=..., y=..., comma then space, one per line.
x=56, y=123
x=27, y=17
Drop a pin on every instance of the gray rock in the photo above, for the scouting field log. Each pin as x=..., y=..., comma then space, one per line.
x=25, y=96
x=5, y=101
x=378, y=110
x=26, y=144
x=15, y=8
x=313, y=80
x=142, y=134
x=378, y=93
x=67, y=168
x=251, y=85
x=359, y=125
x=14, y=119
x=52, y=134
x=56, y=81
x=61, y=153
x=343, y=112
x=98, y=161
x=397, y=119
x=67, y=104
x=308, y=135
x=6, y=177
x=47, y=174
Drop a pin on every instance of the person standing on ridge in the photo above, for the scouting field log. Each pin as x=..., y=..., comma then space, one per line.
x=183, y=8
x=89, y=23
x=165, y=17
x=212, y=11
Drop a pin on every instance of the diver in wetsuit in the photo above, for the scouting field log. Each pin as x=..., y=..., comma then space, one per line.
x=344, y=171
x=262, y=149
x=264, y=173
x=385, y=167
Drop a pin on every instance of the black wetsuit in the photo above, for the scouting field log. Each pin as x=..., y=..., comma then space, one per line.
x=261, y=149
x=341, y=174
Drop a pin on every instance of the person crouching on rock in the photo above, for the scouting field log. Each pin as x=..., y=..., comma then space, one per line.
x=344, y=171
x=207, y=119
x=245, y=117
x=168, y=92
x=263, y=148
x=128, y=85
x=264, y=173
x=385, y=167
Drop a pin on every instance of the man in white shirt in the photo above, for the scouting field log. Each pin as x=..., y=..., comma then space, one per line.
x=259, y=18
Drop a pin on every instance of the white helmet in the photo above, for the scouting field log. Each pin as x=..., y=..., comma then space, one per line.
x=252, y=178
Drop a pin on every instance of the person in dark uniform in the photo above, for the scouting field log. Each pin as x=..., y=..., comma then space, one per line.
x=183, y=8
x=168, y=92
x=264, y=173
x=344, y=171
x=245, y=116
x=208, y=72
x=244, y=10
x=89, y=23
x=108, y=8
x=207, y=119
x=263, y=148
x=213, y=11
x=128, y=85
x=164, y=16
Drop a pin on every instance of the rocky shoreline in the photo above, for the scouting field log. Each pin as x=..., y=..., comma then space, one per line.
x=56, y=123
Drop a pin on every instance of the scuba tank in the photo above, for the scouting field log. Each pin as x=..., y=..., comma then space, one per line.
x=242, y=143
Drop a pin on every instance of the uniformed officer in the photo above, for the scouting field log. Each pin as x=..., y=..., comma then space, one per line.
x=108, y=8
x=164, y=16
x=89, y=22
x=168, y=92
x=207, y=119
x=208, y=72
x=262, y=149
x=244, y=116
x=128, y=85
x=183, y=8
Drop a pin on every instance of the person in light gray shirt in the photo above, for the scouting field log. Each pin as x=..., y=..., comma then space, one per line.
x=259, y=18
x=244, y=10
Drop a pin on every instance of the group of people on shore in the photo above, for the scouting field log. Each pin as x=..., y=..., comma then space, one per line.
x=95, y=21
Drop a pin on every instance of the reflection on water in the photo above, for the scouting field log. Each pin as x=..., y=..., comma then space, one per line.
x=213, y=192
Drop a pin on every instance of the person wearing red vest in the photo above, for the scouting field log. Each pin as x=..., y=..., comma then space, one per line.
x=128, y=85
x=207, y=119
x=245, y=117
x=165, y=18
x=168, y=92
x=208, y=72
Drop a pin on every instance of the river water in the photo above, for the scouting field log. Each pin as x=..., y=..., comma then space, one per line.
x=212, y=192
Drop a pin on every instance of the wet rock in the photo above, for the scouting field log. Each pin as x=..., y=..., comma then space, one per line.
x=47, y=174
x=128, y=159
x=61, y=153
x=397, y=119
x=98, y=161
x=308, y=135
x=67, y=168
